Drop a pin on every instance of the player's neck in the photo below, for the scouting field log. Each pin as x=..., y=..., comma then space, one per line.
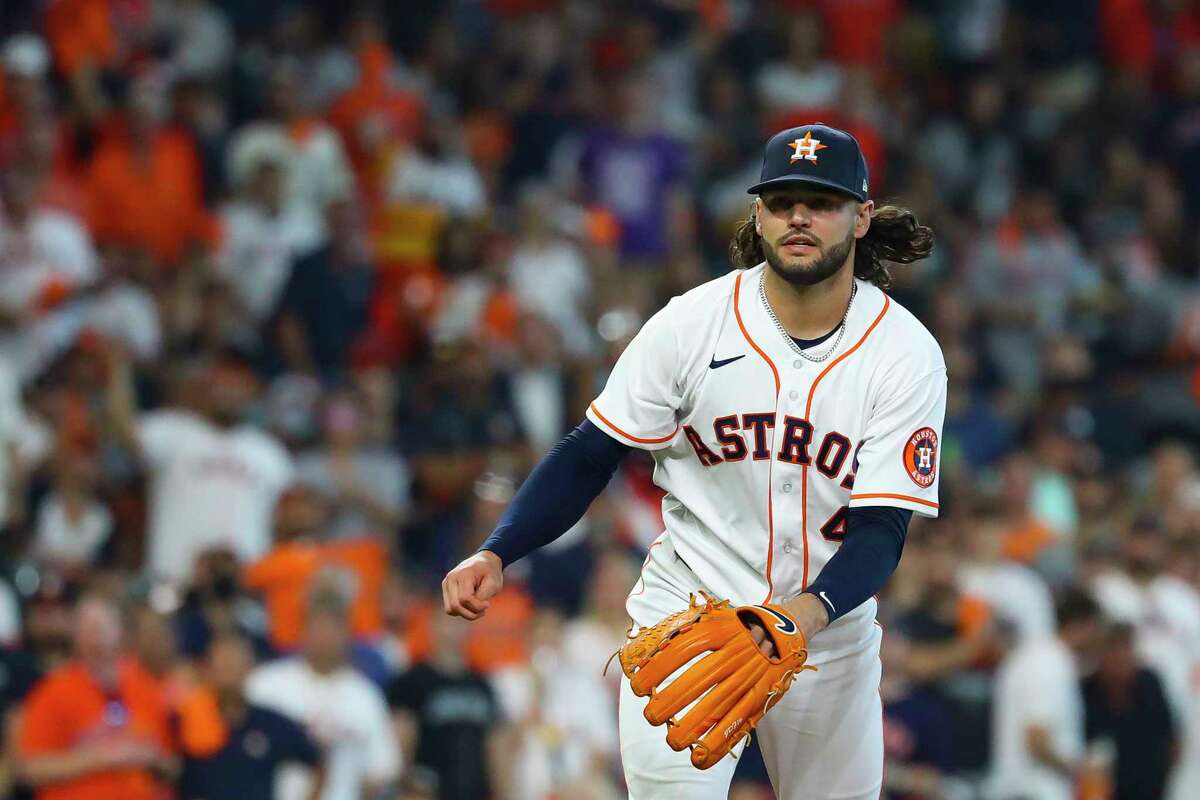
x=809, y=312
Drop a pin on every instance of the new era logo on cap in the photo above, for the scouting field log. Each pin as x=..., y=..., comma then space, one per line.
x=814, y=154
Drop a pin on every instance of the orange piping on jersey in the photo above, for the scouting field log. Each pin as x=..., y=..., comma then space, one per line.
x=606, y=421
x=808, y=415
x=737, y=313
x=909, y=498
x=646, y=563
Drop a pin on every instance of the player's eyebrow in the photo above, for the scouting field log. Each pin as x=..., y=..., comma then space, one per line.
x=808, y=197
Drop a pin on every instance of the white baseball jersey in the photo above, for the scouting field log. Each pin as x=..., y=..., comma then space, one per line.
x=762, y=452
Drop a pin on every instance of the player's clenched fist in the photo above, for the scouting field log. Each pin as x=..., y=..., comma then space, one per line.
x=467, y=589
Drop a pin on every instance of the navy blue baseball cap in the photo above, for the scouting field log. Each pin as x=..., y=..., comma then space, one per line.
x=814, y=154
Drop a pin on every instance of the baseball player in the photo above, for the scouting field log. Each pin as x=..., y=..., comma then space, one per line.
x=794, y=412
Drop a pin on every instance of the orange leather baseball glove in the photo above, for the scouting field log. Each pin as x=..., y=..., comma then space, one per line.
x=732, y=687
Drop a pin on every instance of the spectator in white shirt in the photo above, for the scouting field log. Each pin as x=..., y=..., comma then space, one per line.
x=367, y=485
x=548, y=273
x=1038, y=724
x=72, y=523
x=341, y=709
x=214, y=480
x=1017, y=595
x=318, y=170
x=263, y=234
x=802, y=80
x=46, y=256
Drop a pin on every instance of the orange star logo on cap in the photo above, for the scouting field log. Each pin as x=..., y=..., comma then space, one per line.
x=805, y=149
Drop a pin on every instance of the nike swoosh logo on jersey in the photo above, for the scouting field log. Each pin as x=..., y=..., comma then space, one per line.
x=785, y=624
x=714, y=364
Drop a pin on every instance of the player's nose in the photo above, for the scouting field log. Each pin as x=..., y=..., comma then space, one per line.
x=801, y=216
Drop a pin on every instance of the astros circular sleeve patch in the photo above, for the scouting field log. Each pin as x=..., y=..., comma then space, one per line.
x=920, y=457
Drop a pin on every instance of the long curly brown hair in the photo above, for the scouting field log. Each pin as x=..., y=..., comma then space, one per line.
x=895, y=236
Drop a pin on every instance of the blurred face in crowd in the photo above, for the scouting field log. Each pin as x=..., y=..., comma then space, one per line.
x=1144, y=549
x=154, y=641
x=48, y=626
x=97, y=631
x=987, y=539
x=449, y=636
x=77, y=467
x=283, y=92
x=18, y=190
x=343, y=422
x=1173, y=466
x=538, y=340
x=547, y=630
x=266, y=185
x=804, y=39
x=229, y=390
x=301, y=511
x=229, y=662
x=326, y=641
x=1120, y=664
x=613, y=576
x=808, y=233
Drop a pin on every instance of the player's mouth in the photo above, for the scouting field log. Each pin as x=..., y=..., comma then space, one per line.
x=799, y=245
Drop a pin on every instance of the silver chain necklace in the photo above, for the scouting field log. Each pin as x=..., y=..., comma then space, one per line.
x=787, y=337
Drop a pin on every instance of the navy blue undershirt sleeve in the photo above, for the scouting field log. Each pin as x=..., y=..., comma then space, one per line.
x=867, y=558
x=557, y=493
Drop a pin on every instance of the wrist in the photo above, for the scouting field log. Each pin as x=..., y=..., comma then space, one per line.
x=810, y=614
x=492, y=557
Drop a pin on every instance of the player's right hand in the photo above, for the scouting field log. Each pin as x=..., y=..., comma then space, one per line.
x=467, y=589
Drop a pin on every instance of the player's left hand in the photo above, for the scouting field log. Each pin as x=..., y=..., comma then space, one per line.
x=715, y=702
x=759, y=634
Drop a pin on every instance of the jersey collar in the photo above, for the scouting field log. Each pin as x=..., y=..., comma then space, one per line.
x=868, y=302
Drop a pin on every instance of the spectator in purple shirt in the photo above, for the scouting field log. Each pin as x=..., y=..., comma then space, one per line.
x=635, y=172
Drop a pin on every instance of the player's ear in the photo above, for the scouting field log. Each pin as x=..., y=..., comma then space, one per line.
x=754, y=215
x=862, y=218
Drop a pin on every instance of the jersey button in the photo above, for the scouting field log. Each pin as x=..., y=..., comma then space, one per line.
x=787, y=547
x=787, y=488
x=793, y=394
x=797, y=363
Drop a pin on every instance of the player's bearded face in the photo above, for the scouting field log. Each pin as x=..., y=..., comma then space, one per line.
x=802, y=254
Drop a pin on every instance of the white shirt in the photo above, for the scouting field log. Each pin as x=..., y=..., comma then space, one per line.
x=575, y=721
x=78, y=541
x=258, y=251
x=318, y=171
x=1016, y=595
x=553, y=280
x=209, y=488
x=51, y=246
x=342, y=711
x=761, y=451
x=12, y=428
x=1165, y=615
x=783, y=87
x=1037, y=685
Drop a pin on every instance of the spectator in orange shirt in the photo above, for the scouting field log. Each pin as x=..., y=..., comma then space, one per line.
x=96, y=728
x=301, y=558
x=144, y=184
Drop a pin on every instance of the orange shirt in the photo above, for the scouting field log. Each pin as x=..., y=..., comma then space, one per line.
x=285, y=574
x=500, y=639
x=69, y=709
x=152, y=201
x=81, y=34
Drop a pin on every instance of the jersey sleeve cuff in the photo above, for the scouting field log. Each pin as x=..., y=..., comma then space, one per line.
x=632, y=438
x=919, y=505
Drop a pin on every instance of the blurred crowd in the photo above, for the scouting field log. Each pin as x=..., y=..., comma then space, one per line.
x=293, y=295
